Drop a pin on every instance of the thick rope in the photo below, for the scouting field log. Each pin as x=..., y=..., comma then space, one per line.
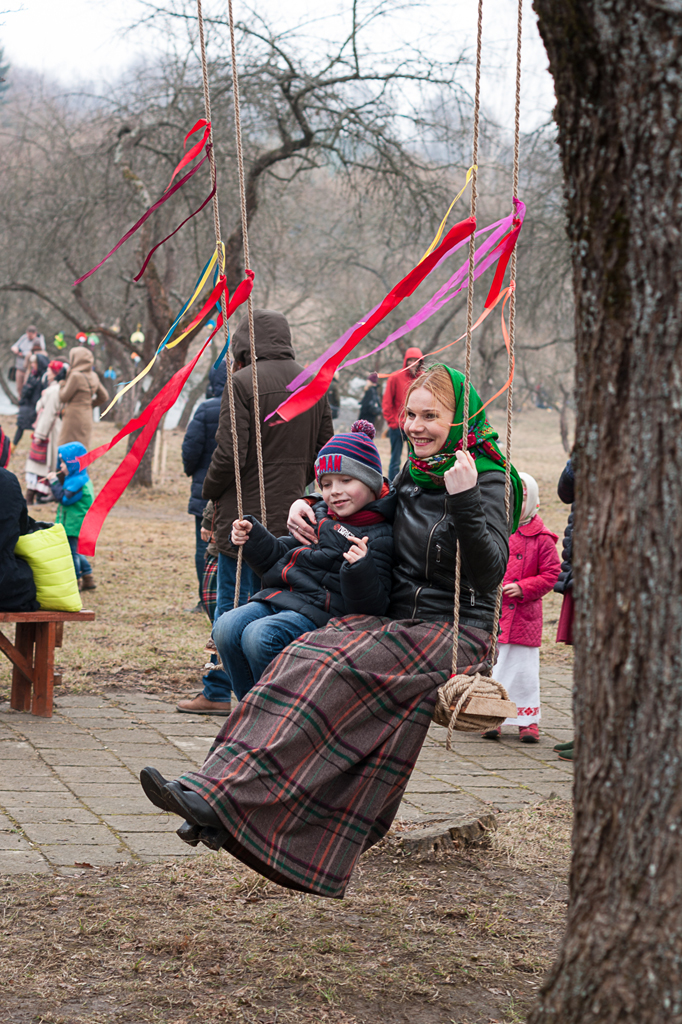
x=450, y=709
x=247, y=266
x=470, y=314
x=512, y=314
x=223, y=300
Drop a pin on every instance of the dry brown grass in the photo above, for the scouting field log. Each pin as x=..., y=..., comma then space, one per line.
x=461, y=939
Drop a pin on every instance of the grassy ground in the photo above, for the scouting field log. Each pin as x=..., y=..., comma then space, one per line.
x=461, y=940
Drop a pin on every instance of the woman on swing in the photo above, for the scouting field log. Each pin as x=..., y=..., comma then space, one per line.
x=309, y=770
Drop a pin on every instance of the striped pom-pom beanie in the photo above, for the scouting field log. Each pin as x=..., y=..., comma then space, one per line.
x=353, y=454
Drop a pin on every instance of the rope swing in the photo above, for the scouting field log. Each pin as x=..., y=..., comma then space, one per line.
x=220, y=250
x=474, y=703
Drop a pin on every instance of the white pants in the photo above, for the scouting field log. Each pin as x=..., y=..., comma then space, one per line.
x=518, y=669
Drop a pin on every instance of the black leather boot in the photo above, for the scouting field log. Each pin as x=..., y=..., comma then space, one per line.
x=191, y=806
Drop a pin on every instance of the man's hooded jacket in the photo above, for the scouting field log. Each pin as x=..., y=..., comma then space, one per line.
x=289, y=449
x=199, y=441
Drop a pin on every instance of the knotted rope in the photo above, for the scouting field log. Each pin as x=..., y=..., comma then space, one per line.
x=452, y=700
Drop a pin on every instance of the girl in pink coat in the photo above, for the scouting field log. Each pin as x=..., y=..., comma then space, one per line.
x=532, y=571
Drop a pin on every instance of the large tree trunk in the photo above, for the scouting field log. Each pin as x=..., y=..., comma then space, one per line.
x=618, y=78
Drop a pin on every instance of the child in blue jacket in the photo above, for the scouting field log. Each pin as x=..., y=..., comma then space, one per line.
x=75, y=496
x=347, y=572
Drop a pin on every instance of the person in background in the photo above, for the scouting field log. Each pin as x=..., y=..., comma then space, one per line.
x=393, y=402
x=334, y=396
x=564, y=585
x=80, y=393
x=532, y=571
x=22, y=349
x=370, y=405
x=42, y=458
x=198, y=446
x=75, y=496
x=31, y=392
x=17, y=589
x=5, y=449
x=289, y=452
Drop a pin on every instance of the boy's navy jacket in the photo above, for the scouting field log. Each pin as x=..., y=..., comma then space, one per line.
x=317, y=581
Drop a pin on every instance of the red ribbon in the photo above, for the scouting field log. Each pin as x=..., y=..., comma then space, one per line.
x=121, y=477
x=151, y=252
x=506, y=247
x=307, y=395
x=196, y=148
x=143, y=218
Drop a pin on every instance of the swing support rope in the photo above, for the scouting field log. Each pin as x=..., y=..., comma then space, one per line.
x=470, y=318
x=221, y=264
x=512, y=312
x=453, y=695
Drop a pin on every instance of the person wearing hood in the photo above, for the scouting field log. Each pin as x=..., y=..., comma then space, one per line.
x=17, y=589
x=393, y=404
x=42, y=458
x=80, y=393
x=198, y=446
x=289, y=453
x=75, y=496
x=532, y=570
x=30, y=393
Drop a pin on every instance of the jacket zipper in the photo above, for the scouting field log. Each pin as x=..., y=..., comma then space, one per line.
x=416, y=598
x=428, y=546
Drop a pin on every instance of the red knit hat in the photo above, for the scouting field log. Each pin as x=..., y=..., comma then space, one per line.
x=56, y=366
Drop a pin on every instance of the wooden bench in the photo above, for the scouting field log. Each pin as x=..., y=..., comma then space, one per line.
x=32, y=655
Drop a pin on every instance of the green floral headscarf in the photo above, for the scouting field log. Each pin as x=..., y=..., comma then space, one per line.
x=481, y=443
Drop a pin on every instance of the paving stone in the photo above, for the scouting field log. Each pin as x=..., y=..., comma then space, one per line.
x=137, y=804
x=81, y=759
x=22, y=862
x=159, y=844
x=14, y=799
x=57, y=816
x=72, y=833
x=97, y=774
x=12, y=840
x=156, y=821
x=70, y=855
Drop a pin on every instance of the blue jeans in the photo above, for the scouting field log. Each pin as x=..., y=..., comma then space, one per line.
x=227, y=577
x=248, y=638
x=396, y=438
x=80, y=562
x=199, y=552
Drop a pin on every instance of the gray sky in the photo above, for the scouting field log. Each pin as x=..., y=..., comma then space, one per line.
x=84, y=39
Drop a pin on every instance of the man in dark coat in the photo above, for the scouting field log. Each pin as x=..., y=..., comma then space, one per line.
x=17, y=589
x=289, y=453
x=197, y=448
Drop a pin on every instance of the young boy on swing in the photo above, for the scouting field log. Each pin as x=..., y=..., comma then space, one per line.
x=347, y=571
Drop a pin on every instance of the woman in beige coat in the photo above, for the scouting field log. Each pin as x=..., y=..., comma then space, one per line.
x=47, y=427
x=80, y=393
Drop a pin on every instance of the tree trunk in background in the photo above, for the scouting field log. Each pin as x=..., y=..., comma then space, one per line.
x=618, y=76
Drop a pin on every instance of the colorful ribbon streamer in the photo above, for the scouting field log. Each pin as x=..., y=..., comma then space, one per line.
x=307, y=395
x=459, y=195
x=145, y=216
x=151, y=252
x=196, y=148
x=484, y=258
x=123, y=474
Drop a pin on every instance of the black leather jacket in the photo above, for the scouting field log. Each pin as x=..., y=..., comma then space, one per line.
x=426, y=528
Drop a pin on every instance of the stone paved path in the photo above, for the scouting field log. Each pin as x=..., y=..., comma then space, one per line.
x=70, y=796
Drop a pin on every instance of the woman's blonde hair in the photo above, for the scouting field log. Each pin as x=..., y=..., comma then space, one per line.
x=437, y=380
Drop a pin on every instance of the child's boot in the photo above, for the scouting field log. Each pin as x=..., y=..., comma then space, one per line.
x=87, y=582
x=492, y=734
x=529, y=733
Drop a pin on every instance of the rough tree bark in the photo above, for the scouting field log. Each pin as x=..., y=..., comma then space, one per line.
x=617, y=69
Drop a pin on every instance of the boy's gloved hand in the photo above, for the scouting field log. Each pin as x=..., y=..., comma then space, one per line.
x=358, y=551
x=241, y=528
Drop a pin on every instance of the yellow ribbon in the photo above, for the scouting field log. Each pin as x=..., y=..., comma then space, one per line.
x=441, y=229
x=171, y=344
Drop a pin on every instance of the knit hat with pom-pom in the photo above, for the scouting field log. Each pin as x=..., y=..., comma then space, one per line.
x=353, y=454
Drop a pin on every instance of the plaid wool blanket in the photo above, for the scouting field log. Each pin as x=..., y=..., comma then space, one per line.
x=309, y=770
